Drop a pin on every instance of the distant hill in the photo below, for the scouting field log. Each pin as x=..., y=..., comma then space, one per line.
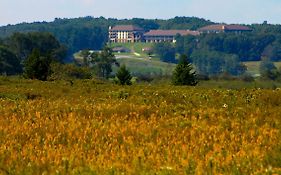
x=212, y=53
x=92, y=33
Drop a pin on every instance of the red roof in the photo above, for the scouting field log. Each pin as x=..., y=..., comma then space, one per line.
x=222, y=27
x=170, y=32
x=126, y=28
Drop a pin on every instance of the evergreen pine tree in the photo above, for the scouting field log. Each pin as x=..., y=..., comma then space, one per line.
x=124, y=76
x=184, y=73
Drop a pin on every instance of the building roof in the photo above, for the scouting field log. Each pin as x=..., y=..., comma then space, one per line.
x=222, y=27
x=126, y=28
x=170, y=32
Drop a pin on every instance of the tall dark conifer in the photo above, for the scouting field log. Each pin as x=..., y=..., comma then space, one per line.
x=184, y=73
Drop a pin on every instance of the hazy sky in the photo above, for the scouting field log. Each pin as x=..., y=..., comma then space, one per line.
x=229, y=11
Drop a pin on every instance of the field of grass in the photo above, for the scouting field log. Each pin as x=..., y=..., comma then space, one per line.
x=94, y=127
x=134, y=47
x=253, y=66
x=238, y=84
x=147, y=67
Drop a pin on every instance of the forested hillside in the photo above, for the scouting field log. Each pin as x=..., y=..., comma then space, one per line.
x=92, y=33
x=212, y=54
x=16, y=51
x=217, y=53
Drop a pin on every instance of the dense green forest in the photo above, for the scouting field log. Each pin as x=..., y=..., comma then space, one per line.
x=16, y=50
x=217, y=53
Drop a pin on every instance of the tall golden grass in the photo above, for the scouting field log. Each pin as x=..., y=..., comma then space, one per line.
x=94, y=128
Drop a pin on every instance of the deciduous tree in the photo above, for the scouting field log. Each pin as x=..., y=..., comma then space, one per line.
x=103, y=61
x=9, y=62
x=37, y=66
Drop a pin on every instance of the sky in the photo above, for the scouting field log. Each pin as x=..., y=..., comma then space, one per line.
x=227, y=11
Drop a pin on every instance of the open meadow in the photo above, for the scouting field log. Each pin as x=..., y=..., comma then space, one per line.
x=95, y=127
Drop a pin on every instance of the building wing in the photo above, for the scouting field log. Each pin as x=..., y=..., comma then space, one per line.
x=217, y=28
x=170, y=32
x=157, y=36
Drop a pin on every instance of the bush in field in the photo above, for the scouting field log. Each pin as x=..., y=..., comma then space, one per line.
x=268, y=70
x=145, y=77
x=69, y=71
x=124, y=76
x=37, y=66
x=184, y=73
x=247, y=77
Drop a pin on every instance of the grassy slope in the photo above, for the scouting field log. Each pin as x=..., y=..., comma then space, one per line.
x=147, y=67
x=134, y=47
x=253, y=66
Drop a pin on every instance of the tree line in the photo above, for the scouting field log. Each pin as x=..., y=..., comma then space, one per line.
x=39, y=55
x=17, y=50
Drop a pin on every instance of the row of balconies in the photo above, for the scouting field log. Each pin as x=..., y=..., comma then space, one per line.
x=133, y=37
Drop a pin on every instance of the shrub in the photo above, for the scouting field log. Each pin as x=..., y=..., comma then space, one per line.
x=268, y=70
x=37, y=66
x=69, y=71
x=247, y=78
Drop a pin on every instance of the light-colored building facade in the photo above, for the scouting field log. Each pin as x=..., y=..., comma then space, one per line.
x=125, y=34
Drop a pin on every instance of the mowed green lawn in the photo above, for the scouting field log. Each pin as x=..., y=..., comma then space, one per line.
x=134, y=47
